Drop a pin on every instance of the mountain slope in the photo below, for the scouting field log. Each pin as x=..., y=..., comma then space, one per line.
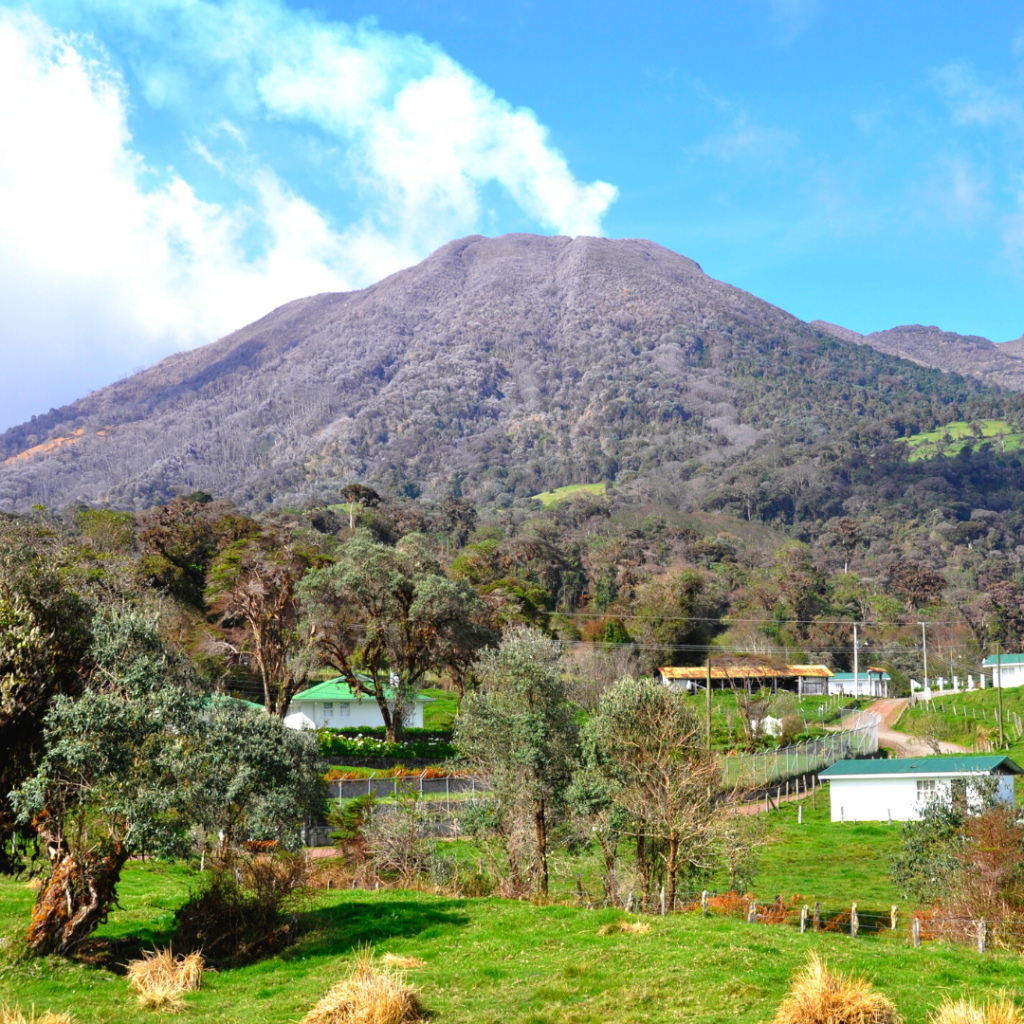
x=500, y=367
x=967, y=354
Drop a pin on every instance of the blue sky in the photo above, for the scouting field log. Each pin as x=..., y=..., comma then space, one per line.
x=172, y=169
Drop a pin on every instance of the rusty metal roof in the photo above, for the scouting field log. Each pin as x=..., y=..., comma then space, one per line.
x=698, y=672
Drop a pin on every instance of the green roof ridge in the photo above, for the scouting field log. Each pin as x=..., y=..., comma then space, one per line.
x=940, y=765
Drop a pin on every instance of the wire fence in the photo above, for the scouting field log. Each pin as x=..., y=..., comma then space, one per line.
x=857, y=737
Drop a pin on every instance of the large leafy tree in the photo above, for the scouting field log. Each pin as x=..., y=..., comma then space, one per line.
x=45, y=638
x=110, y=781
x=384, y=616
x=653, y=747
x=518, y=731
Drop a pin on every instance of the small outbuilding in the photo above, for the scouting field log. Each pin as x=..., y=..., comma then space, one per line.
x=874, y=682
x=900, y=788
x=332, y=705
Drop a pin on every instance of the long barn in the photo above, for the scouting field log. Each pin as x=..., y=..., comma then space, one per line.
x=802, y=679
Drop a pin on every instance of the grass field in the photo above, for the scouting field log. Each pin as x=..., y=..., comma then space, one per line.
x=968, y=716
x=960, y=434
x=547, y=498
x=489, y=961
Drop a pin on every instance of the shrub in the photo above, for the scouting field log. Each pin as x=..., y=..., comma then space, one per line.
x=819, y=996
x=372, y=742
x=243, y=910
x=369, y=995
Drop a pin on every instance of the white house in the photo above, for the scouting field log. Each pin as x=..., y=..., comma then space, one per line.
x=1010, y=669
x=872, y=682
x=332, y=705
x=900, y=787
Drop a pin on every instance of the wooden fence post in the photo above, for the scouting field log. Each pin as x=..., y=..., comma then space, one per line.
x=663, y=901
x=842, y=815
x=752, y=913
x=800, y=815
x=854, y=922
x=704, y=903
x=814, y=794
x=629, y=904
x=982, y=935
x=817, y=915
x=803, y=918
x=894, y=917
x=917, y=932
x=579, y=889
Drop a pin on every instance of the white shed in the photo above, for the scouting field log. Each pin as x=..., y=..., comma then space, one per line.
x=332, y=705
x=872, y=790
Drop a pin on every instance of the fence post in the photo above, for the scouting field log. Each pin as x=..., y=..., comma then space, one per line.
x=704, y=903
x=917, y=932
x=854, y=921
x=800, y=814
x=982, y=935
x=663, y=901
x=803, y=919
x=842, y=815
x=817, y=915
x=752, y=913
x=889, y=812
x=629, y=904
x=579, y=889
x=447, y=794
x=894, y=917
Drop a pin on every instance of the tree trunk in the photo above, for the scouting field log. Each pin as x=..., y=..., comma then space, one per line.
x=673, y=853
x=641, y=862
x=542, y=847
x=74, y=902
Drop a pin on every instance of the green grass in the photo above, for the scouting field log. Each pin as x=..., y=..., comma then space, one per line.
x=491, y=961
x=972, y=719
x=954, y=437
x=440, y=714
x=547, y=498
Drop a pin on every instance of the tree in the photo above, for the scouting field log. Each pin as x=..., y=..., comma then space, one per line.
x=110, y=783
x=358, y=494
x=251, y=778
x=917, y=584
x=518, y=731
x=384, y=616
x=45, y=642
x=654, y=745
x=179, y=544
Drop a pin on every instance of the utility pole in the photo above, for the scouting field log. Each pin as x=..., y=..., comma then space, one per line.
x=924, y=648
x=856, y=664
x=708, y=700
x=999, y=696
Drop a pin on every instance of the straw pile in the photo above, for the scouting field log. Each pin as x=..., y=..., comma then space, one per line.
x=820, y=996
x=160, y=977
x=369, y=995
x=996, y=1011
x=626, y=927
x=13, y=1015
x=401, y=963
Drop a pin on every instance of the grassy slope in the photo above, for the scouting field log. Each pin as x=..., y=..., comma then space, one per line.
x=939, y=720
x=492, y=960
x=547, y=498
x=999, y=432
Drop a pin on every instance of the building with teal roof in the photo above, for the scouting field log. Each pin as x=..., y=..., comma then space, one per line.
x=899, y=788
x=333, y=705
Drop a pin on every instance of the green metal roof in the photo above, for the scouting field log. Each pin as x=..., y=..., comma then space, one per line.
x=1005, y=660
x=337, y=689
x=865, y=674
x=957, y=764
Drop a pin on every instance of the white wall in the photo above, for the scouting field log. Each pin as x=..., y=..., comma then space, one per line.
x=346, y=714
x=1013, y=675
x=874, y=799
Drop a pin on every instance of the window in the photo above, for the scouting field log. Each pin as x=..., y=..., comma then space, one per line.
x=328, y=709
x=925, y=789
x=343, y=711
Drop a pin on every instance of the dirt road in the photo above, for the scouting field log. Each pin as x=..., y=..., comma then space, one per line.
x=900, y=743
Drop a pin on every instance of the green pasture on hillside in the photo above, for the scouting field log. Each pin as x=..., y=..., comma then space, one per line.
x=547, y=498
x=952, y=438
x=493, y=961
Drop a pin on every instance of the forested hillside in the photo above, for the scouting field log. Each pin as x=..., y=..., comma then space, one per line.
x=499, y=368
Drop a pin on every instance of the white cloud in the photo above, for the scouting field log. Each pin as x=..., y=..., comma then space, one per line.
x=107, y=262
x=972, y=101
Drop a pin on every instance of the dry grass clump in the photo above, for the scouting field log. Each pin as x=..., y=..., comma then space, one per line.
x=35, y=884
x=996, y=1011
x=821, y=996
x=369, y=995
x=627, y=927
x=401, y=963
x=13, y=1015
x=160, y=977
